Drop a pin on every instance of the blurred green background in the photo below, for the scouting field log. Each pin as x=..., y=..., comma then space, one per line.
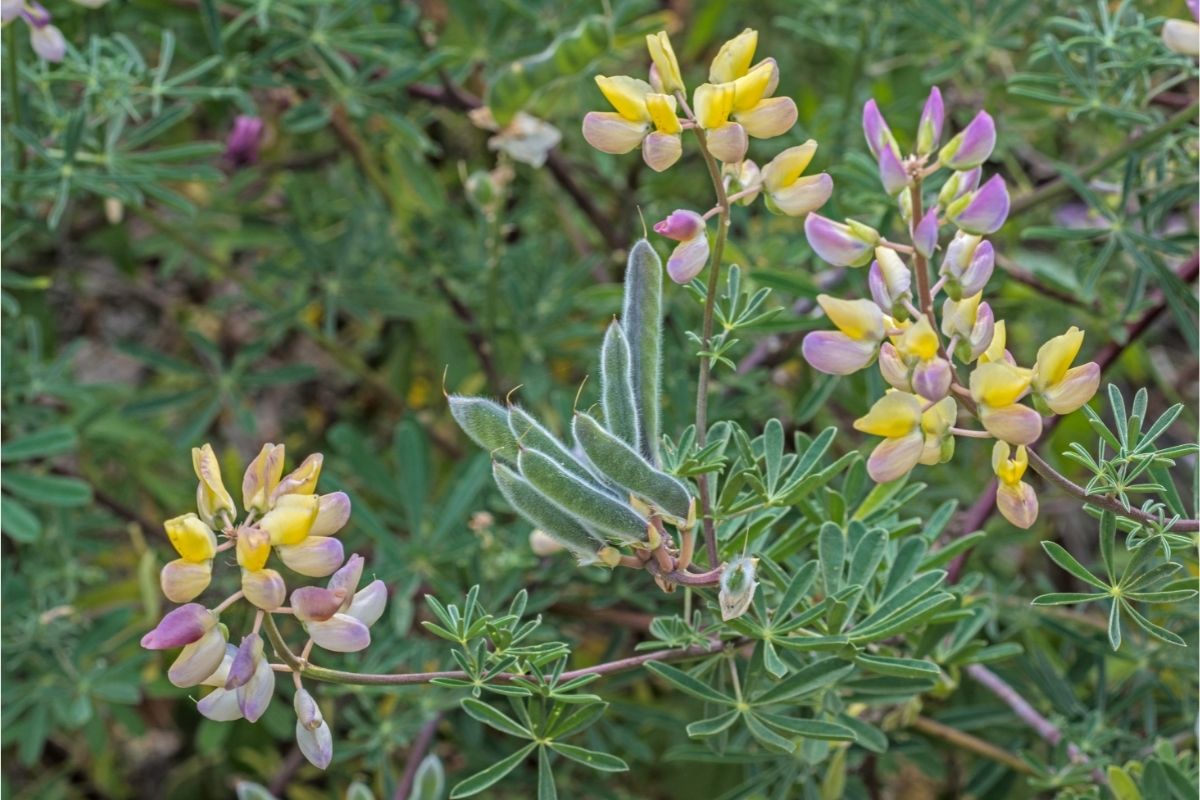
x=383, y=246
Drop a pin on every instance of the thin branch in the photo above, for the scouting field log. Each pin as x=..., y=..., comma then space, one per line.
x=416, y=678
x=974, y=744
x=416, y=754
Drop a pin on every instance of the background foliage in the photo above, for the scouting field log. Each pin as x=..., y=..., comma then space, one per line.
x=157, y=294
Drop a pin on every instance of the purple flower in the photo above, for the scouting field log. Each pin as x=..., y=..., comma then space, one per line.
x=680, y=225
x=843, y=245
x=241, y=147
x=972, y=146
x=929, y=129
x=925, y=234
x=875, y=128
x=180, y=627
x=892, y=173
x=983, y=211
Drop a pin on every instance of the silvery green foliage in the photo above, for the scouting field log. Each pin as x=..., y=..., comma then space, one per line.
x=583, y=494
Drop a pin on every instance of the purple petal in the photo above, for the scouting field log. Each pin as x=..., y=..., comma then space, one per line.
x=241, y=147
x=341, y=633
x=929, y=129
x=973, y=145
x=182, y=626
x=332, y=514
x=1015, y=424
x=925, y=234
x=316, y=556
x=316, y=745
x=984, y=211
x=931, y=379
x=220, y=705
x=264, y=588
x=875, y=129
x=892, y=173
x=350, y=574
x=835, y=353
x=254, y=697
x=836, y=243
x=680, y=225
x=893, y=368
x=688, y=259
x=895, y=458
x=314, y=604
x=367, y=606
x=198, y=660
x=661, y=150
x=728, y=143
x=241, y=668
x=977, y=274
x=308, y=713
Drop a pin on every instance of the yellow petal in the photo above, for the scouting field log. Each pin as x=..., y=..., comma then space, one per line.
x=211, y=497
x=734, y=57
x=787, y=167
x=663, y=56
x=999, y=383
x=995, y=350
x=752, y=87
x=291, y=519
x=859, y=319
x=253, y=548
x=627, y=95
x=894, y=415
x=1054, y=358
x=773, y=116
x=302, y=480
x=938, y=418
x=713, y=103
x=919, y=340
x=261, y=478
x=191, y=538
x=661, y=108
x=958, y=316
x=1009, y=469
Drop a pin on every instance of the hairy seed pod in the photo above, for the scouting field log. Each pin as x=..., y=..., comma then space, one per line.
x=616, y=520
x=641, y=320
x=532, y=435
x=556, y=523
x=628, y=469
x=616, y=387
x=486, y=423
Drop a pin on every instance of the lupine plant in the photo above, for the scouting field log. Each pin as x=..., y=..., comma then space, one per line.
x=716, y=374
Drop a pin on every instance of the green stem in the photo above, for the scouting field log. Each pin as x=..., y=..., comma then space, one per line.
x=710, y=300
x=316, y=673
x=1059, y=188
x=920, y=264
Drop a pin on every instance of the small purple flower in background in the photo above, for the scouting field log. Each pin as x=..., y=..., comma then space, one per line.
x=241, y=147
x=691, y=254
x=1181, y=35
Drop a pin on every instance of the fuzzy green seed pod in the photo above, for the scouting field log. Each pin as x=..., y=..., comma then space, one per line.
x=486, y=423
x=641, y=320
x=628, y=469
x=552, y=520
x=616, y=387
x=532, y=434
x=587, y=503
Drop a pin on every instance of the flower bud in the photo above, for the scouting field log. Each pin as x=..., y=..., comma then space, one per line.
x=212, y=500
x=241, y=146
x=929, y=129
x=308, y=713
x=875, y=129
x=984, y=210
x=925, y=234
x=980, y=338
x=1182, y=36
x=959, y=184
x=316, y=743
x=738, y=584
x=972, y=146
x=842, y=245
x=665, y=63
x=48, y=42
x=181, y=626
x=262, y=477
x=892, y=173
x=681, y=225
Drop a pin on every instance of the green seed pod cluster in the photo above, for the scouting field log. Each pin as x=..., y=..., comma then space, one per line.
x=568, y=55
x=597, y=494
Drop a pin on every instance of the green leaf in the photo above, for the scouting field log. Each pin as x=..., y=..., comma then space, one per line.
x=904, y=667
x=769, y=738
x=430, y=782
x=1172, y=596
x=496, y=719
x=359, y=791
x=50, y=490
x=546, y=788
x=1160, y=633
x=1068, y=562
x=808, y=728
x=713, y=725
x=605, y=762
x=1114, y=626
x=866, y=734
x=578, y=720
x=810, y=679
x=248, y=790
x=1066, y=598
x=484, y=778
x=21, y=524
x=1108, y=536
x=641, y=318
x=771, y=660
x=686, y=683
x=831, y=545
x=40, y=444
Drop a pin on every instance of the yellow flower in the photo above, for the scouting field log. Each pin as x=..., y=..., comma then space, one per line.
x=1056, y=384
x=191, y=538
x=261, y=478
x=995, y=351
x=938, y=447
x=185, y=578
x=627, y=95
x=665, y=63
x=861, y=320
x=1015, y=499
x=788, y=190
x=996, y=387
x=734, y=57
x=637, y=106
x=292, y=518
x=919, y=340
x=713, y=103
x=897, y=417
x=212, y=500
